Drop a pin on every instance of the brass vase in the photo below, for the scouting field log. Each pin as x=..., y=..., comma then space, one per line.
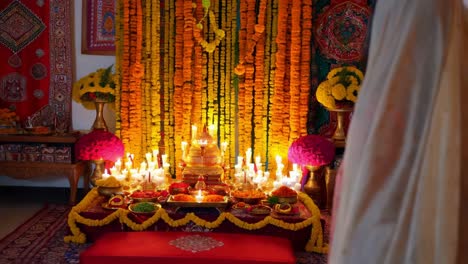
x=99, y=168
x=339, y=136
x=100, y=122
x=312, y=186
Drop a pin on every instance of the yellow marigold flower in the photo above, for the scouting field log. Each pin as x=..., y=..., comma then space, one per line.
x=338, y=91
x=324, y=95
x=334, y=72
x=352, y=93
x=334, y=80
x=357, y=72
x=353, y=80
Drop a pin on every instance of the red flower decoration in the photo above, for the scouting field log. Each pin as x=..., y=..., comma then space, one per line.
x=99, y=145
x=311, y=150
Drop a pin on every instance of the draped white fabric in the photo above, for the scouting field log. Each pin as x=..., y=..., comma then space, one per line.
x=398, y=199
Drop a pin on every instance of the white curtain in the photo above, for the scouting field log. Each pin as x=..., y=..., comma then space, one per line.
x=398, y=200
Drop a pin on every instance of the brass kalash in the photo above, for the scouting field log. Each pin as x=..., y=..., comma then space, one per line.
x=203, y=161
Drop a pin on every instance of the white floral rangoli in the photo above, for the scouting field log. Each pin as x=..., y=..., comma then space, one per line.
x=196, y=243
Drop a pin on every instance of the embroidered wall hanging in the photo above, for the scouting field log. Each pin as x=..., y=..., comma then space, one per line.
x=36, y=60
x=98, y=29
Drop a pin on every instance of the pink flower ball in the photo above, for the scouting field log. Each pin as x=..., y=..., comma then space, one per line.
x=312, y=150
x=99, y=144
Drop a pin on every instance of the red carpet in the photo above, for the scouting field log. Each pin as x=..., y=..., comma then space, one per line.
x=40, y=241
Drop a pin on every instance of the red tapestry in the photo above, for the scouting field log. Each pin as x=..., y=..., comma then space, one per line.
x=36, y=60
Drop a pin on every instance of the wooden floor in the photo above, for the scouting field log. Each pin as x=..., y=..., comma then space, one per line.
x=18, y=204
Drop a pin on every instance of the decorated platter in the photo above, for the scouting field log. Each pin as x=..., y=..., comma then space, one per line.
x=285, y=209
x=194, y=203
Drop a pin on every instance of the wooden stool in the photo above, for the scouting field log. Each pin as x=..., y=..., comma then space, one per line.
x=188, y=247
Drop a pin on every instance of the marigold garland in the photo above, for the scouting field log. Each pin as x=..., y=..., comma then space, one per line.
x=315, y=243
x=181, y=76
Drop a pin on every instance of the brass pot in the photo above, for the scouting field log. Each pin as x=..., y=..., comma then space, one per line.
x=99, y=167
x=312, y=186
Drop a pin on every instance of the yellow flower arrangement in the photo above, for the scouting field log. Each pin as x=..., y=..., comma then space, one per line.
x=96, y=86
x=341, y=87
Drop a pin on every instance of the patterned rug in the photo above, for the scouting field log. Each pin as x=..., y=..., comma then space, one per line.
x=40, y=240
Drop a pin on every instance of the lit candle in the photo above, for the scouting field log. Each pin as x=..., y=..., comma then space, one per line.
x=248, y=155
x=143, y=166
x=199, y=196
x=184, y=148
x=128, y=165
x=194, y=132
x=295, y=167
x=151, y=165
x=164, y=159
x=105, y=175
x=240, y=160
x=211, y=130
x=278, y=159
x=133, y=173
x=118, y=165
x=114, y=171
x=148, y=157
x=224, y=146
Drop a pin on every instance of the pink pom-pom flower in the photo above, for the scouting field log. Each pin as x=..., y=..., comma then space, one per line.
x=311, y=150
x=98, y=145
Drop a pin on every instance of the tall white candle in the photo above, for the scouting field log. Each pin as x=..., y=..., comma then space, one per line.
x=194, y=132
x=257, y=160
x=143, y=166
x=118, y=165
x=240, y=160
x=105, y=175
x=248, y=155
x=184, y=148
x=212, y=130
x=148, y=157
x=278, y=159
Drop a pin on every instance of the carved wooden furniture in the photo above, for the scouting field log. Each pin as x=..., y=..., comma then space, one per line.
x=42, y=157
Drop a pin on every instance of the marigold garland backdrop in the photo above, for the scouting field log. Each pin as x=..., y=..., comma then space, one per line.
x=243, y=66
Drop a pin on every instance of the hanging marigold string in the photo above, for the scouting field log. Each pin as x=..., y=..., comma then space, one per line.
x=278, y=114
x=194, y=62
x=306, y=33
x=295, y=71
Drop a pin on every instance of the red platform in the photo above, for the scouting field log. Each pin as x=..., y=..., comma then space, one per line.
x=185, y=247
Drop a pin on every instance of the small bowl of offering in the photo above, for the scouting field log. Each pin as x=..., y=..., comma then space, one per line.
x=144, y=208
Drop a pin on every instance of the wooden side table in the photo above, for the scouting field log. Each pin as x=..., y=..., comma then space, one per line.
x=20, y=169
